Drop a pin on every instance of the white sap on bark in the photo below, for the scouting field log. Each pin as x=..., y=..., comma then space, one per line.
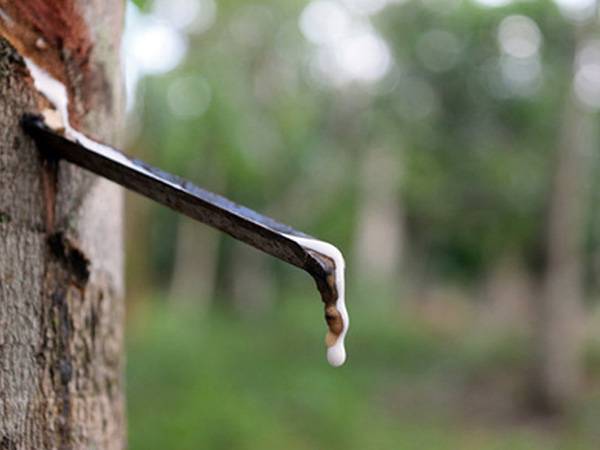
x=56, y=93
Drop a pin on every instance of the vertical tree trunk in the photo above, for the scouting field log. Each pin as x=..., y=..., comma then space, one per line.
x=61, y=286
x=249, y=282
x=559, y=371
x=380, y=236
x=195, y=270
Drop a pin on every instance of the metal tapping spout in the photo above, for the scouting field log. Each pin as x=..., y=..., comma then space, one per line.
x=321, y=260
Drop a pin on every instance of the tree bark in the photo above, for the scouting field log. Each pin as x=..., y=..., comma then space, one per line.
x=61, y=265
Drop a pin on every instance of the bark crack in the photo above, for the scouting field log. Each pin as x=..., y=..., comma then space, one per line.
x=71, y=257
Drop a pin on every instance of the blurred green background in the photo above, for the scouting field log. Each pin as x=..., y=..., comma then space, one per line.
x=448, y=147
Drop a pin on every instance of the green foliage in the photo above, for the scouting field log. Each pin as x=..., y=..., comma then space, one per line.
x=143, y=5
x=478, y=166
x=474, y=166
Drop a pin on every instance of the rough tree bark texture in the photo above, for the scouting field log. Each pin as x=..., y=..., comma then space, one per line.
x=61, y=286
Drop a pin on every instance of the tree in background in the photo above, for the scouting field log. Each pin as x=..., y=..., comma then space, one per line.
x=561, y=318
x=480, y=189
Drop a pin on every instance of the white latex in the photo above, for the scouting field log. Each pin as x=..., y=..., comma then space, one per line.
x=336, y=354
x=56, y=93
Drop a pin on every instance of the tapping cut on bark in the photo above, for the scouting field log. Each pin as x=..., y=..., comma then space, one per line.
x=47, y=30
x=55, y=36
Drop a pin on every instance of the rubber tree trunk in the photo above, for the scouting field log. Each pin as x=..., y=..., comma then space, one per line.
x=61, y=284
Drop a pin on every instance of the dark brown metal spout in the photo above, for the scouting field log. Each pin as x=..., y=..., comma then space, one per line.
x=180, y=195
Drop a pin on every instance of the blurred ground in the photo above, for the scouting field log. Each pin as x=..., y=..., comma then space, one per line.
x=219, y=382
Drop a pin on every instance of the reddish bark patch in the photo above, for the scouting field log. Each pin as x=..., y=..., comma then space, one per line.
x=55, y=36
x=49, y=188
x=46, y=32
